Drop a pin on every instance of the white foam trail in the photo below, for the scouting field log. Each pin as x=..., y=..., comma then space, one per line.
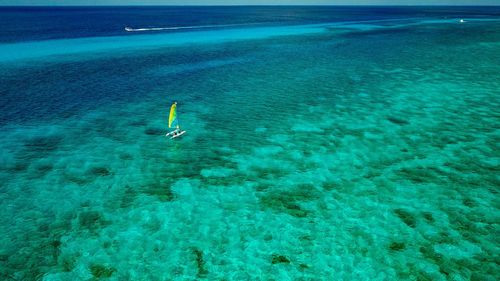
x=129, y=29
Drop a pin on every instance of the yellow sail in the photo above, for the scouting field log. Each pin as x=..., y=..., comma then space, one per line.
x=172, y=118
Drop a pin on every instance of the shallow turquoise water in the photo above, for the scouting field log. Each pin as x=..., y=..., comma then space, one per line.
x=315, y=152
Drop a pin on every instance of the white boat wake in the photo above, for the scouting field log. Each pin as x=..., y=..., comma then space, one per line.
x=129, y=29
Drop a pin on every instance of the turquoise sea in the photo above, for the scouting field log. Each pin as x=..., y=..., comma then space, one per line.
x=323, y=143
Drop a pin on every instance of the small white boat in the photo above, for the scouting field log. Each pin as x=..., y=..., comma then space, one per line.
x=128, y=29
x=173, y=122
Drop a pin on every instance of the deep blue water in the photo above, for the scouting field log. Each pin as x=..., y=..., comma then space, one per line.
x=39, y=23
x=323, y=143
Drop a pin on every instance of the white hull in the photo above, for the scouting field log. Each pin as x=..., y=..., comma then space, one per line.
x=172, y=136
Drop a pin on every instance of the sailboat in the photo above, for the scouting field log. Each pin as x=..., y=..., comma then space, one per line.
x=173, y=122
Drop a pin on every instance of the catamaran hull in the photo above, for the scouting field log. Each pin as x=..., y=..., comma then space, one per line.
x=174, y=136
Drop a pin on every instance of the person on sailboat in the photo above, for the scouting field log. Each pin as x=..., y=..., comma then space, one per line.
x=176, y=131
